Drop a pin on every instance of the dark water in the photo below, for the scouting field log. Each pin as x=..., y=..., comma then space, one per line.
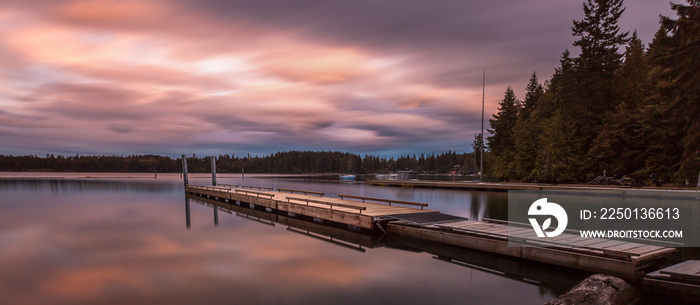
x=109, y=240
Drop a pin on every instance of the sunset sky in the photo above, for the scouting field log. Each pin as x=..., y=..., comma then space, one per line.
x=383, y=77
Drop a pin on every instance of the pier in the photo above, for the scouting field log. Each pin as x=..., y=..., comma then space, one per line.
x=355, y=215
x=560, y=279
x=624, y=259
x=495, y=186
x=679, y=279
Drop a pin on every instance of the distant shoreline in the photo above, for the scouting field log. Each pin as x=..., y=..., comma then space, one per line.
x=508, y=186
x=462, y=185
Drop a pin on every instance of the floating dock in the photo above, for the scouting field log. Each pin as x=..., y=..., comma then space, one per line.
x=491, y=186
x=680, y=279
x=620, y=258
x=559, y=279
x=356, y=213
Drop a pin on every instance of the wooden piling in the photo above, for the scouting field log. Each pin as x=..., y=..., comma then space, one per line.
x=184, y=169
x=213, y=170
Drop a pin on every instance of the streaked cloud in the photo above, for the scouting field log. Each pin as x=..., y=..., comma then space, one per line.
x=171, y=77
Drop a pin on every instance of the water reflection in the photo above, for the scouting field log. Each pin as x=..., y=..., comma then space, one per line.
x=82, y=185
x=98, y=244
x=305, y=226
x=187, y=212
x=551, y=280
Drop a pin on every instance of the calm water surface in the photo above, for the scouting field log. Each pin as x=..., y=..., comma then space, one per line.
x=107, y=239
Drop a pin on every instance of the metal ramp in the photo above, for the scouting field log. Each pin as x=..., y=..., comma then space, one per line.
x=427, y=218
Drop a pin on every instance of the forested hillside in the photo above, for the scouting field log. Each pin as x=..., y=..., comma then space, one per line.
x=620, y=107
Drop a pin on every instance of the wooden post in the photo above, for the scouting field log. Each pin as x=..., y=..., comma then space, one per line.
x=242, y=173
x=213, y=170
x=216, y=217
x=184, y=169
x=155, y=174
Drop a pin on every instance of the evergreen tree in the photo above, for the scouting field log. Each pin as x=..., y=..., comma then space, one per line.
x=555, y=160
x=676, y=100
x=502, y=140
x=620, y=142
x=599, y=35
x=595, y=77
x=526, y=132
x=551, y=126
x=502, y=123
x=534, y=91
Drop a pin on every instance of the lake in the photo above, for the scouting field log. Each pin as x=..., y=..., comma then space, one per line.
x=102, y=238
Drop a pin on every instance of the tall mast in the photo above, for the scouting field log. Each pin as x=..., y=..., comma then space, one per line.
x=483, y=93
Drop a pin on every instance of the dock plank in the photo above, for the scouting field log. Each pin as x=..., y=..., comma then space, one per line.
x=686, y=270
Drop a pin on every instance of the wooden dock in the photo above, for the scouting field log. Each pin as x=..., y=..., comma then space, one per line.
x=524, y=271
x=491, y=186
x=343, y=211
x=680, y=279
x=620, y=258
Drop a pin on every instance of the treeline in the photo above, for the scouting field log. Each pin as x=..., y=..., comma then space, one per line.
x=282, y=162
x=121, y=164
x=619, y=108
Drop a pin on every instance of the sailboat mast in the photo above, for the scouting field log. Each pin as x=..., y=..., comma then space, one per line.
x=483, y=94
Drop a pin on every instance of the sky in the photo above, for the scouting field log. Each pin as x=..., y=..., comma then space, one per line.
x=381, y=77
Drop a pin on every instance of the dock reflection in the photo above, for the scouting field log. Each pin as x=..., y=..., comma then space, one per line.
x=550, y=279
x=557, y=279
x=334, y=235
x=188, y=221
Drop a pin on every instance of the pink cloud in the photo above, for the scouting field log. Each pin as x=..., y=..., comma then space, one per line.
x=128, y=73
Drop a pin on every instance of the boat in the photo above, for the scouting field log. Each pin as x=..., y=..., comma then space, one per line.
x=346, y=177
